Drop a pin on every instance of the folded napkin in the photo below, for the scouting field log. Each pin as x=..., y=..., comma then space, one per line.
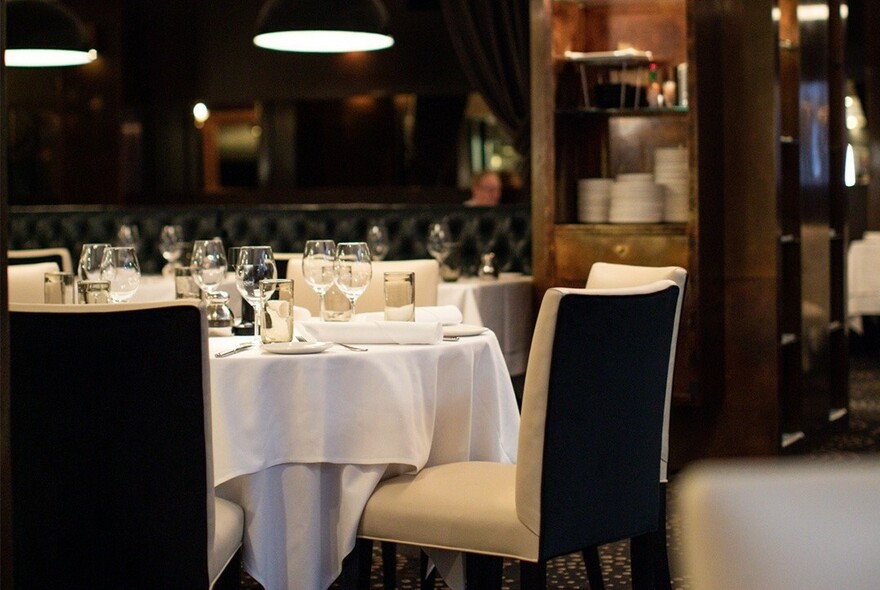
x=372, y=332
x=447, y=315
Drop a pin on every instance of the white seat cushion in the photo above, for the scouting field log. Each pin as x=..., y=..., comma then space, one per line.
x=228, y=532
x=459, y=506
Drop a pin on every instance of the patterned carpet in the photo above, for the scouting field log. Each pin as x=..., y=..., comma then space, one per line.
x=860, y=437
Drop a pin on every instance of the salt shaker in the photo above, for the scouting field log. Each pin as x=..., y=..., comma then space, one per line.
x=220, y=317
x=488, y=271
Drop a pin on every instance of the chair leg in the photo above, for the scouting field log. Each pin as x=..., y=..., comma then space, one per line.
x=357, y=565
x=532, y=576
x=389, y=565
x=594, y=569
x=230, y=577
x=483, y=572
x=662, y=577
x=641, y=561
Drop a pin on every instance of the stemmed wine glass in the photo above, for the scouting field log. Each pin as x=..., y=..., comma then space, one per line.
x=169, y=239
x=254, y=264
x=317, y=266
x=377, y=240
x=352, y=270
x=121, y=268
x=89, y=267
x=208, y=264
x=439, y=239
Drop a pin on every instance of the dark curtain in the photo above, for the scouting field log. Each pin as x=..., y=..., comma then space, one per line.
x=491, y=38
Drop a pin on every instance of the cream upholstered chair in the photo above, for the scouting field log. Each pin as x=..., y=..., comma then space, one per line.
x=60, y=256
x=597, y=372
x=605, y=275
x=111, y=450
x=26, y=281
x=373, y=299
x=790, y=524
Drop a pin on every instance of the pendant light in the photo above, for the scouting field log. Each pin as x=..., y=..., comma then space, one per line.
x=43, y=33
x=323, y=26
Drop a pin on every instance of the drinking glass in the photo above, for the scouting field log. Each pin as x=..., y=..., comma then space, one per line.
x=439, y=238
x=121, y=268
x=317, y=267
x=208, y=264
x=377, y=240
x=128, y=235
x=89, y=267
x=352, y=270
x=255, y=263
x=169, y=238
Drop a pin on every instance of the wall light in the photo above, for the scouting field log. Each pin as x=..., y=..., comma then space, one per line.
x=323, y=26
x=43, y=33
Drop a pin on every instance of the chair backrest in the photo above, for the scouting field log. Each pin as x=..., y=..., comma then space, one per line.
x=26, y=281
x=110, y=442
x=793, y=524
x=592, y=415
x=604, y=275
x=427, y=278
x=60, y=256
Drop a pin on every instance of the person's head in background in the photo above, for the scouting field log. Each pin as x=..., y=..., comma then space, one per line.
x=485, y=189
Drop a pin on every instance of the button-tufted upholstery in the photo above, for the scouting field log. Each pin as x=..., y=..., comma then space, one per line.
x=505, y=230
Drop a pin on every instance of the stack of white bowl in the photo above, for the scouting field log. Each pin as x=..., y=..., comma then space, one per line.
x=594, y=195
x=671, y=171
x=636, y=198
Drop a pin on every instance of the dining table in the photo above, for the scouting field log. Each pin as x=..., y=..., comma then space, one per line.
x=502, y=304
x=301, y=440
x=863, y=280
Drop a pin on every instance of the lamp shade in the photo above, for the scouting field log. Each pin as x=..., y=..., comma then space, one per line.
x=323, y=26
x=42, y=33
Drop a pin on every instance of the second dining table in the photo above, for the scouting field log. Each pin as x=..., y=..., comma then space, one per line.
x=301, y=441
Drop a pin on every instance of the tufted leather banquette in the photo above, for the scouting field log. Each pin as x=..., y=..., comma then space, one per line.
x=504, y=230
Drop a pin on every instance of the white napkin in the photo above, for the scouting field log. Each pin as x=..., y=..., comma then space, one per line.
x=372, y=332
x=446, y=315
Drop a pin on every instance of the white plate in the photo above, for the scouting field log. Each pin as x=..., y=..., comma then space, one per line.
x=463, y=330
x=296, y=347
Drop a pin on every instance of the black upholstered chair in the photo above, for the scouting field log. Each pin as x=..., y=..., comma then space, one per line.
x=597, y=374
x=111, y=450
x=648, y=552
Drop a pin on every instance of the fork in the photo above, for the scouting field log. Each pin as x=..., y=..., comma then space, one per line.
x=348, y=346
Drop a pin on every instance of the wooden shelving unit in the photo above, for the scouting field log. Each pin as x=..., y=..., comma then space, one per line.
x=762, y=351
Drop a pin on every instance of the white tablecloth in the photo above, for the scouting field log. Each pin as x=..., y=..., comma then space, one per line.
x=504, y=306
x=863, y=281
x=301, y=441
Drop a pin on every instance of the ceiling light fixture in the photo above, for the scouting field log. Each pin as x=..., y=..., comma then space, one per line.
x=323, y=26
x=43, y=33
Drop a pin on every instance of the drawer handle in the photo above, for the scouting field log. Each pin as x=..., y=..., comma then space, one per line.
x=621, y=250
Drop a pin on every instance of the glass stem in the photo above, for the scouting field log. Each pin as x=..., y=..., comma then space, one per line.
x=258, y=319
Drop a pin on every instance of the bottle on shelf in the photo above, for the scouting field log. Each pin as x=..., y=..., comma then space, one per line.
x=653, y=94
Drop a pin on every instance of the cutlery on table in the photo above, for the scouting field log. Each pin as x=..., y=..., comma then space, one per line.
x=236, y=350
x=348, y=346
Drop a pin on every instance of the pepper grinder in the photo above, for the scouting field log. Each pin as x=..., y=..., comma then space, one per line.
x=220, y=317
x=488, y=271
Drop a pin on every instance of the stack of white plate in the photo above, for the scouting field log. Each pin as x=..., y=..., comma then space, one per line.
x=635, y=198
x=594, y=195
x=671, y=171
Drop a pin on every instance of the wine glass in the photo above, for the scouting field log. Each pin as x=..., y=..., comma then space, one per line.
x=377, y=240
x=208, y=264
x=169, y=240
x=128, y=235
x=352, y=270
x=254, y=264
x=121, y=268
x=89, y=267
x=439, y=238
x=317, y=266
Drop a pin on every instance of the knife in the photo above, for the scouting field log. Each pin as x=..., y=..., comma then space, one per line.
x=241, y=348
